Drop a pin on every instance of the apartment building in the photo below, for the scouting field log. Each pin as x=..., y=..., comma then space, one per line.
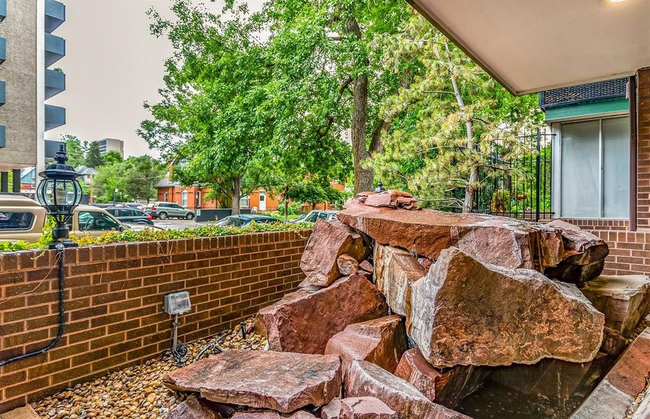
x=111, y=144
x=29, y=51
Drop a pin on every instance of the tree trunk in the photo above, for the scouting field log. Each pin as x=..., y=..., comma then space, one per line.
x=470, y=188
x=363, y=177
x=286, y=204
x=235, y=195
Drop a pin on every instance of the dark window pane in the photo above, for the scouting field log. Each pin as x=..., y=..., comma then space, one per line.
x=16, y=220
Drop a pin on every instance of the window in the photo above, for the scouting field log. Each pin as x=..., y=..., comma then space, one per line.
x=595, y=169
x=184, y=198
x=245, y=202
x=165, y=195
x=96, y=221
x=16, y=220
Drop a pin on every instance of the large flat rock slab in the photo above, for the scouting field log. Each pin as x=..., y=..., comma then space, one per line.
x=497, y=240
x=193, y=408
x=381, y=341
x=623, y=384
x=262, y=379
x=330, y=240
x=447, y=387
x=358, y=408
x=624, y=300
x=395, y=271
x=305, y=320
x=465, y=312
x=365, y=379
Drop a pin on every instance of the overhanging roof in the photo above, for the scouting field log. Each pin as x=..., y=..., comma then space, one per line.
x=535, y=45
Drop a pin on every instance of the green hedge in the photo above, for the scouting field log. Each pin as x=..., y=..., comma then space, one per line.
x=158, y=235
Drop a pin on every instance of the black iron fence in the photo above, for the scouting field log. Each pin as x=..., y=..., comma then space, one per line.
x=523, y=188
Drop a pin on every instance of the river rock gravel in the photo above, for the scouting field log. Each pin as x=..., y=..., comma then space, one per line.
x=137, y=392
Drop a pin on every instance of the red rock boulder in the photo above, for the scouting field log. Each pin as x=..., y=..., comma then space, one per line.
x=381, y=341
x=391, y=199
x=269, y=414
x=347, y=265
x=262, y=379
x=193, y=408
x=584, y=254
x=357, y=408
x=447, y=387
x=465, y=312
x=497, y=240
x=395, y=271
x=365, y=379
x=305, y=320
x=330, y=240
x=623, y=387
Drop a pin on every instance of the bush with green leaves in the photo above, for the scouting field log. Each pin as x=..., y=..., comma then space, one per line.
x=147, y=235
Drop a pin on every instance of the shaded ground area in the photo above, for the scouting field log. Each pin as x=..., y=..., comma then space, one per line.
x=136, y=392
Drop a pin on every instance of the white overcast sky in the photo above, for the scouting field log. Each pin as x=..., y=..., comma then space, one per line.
x=112, y=65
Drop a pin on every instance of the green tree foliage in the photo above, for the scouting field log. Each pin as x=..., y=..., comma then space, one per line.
x=314, y=191
x=76, y=150
x=238, y=112
x=448, y=122
x=112, y=157
x=134, y=178
x=93, y=155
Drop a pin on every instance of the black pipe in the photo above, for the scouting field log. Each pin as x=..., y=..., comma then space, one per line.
x=60, y=248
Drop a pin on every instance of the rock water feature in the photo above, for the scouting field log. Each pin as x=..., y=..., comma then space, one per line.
x=409, y=313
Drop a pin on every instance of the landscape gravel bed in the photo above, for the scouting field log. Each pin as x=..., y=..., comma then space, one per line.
x=136, y=392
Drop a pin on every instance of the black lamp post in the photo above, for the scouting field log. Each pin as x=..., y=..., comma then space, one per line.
x=60, y=193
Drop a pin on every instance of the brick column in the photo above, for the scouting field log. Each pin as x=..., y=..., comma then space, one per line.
x=643, y=141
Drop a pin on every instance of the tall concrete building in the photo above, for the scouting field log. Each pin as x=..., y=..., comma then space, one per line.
x=28, y=50
x=111, y=144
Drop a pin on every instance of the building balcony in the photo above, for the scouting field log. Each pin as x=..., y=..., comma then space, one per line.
x=54, y=49
x=3, y=139
x=3, y=10
x=54, y=15
x=54, y=117
x=3, y=93
x=54, y=83
x=3, y=49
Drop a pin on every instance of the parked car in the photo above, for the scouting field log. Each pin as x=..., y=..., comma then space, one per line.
x=23, y=219
x=130, y=215
x=135, y=205
x=314, y=215
x=243, y=220
x=164, y=210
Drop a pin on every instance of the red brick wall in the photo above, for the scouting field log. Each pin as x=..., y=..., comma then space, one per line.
x=114, y=296
x=643, y=139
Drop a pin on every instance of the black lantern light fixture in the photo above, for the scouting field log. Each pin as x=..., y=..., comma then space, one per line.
x=60, y=193
x=380, y=187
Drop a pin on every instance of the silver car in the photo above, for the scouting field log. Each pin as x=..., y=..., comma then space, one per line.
x=164, y=210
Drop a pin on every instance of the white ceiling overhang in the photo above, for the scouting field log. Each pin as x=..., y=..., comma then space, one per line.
x=535, y=45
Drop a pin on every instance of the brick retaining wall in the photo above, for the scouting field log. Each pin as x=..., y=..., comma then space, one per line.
x=114, y=295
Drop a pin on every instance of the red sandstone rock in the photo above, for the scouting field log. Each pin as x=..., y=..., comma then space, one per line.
x=347, y=265
x=617, y=392
x=367, y=266
x=391, y=199
x=357, y=408
x=465, y=312
x=262, y=379
x=395, y=271
x=381, y=341
x=613, y=341
x=192, y=408
x=303, y=321
x=269, y=414
x=446, y=387
x=584, y=254
x=367, y=379
x=624, y=300
x=498, y=240
x=425, y=263
x=329, y=240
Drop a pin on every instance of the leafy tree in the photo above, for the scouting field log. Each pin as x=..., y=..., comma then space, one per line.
x=112, y=157
x=314, y=191
x=142, y=174
x=340, y=42
x=93, y=155
x=76, y=150
x=448, y=122
x=212, y=119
